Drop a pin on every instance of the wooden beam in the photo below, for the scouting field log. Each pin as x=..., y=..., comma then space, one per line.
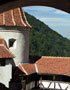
x=60, y=86
x=54, y=85
x=49, y=84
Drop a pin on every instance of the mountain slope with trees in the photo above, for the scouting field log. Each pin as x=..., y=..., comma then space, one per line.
x=46, y=42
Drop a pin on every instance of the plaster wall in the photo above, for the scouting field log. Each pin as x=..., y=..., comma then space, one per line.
x=68, y=87
x=50, y=85
x=5, y=74
x=21, y=46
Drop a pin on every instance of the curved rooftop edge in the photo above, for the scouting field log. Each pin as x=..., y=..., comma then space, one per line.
x=14, y=18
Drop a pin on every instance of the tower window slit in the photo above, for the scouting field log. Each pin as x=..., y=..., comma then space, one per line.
x=12, y=43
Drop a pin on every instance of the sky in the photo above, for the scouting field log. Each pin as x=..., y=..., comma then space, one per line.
x=56, y=19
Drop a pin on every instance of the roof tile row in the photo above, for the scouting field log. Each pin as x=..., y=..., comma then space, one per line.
x=49, y=65
x=14, y=17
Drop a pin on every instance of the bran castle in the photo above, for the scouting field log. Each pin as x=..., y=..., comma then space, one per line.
x=16, y=71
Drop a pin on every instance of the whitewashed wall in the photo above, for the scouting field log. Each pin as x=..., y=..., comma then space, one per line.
x=68, y=87
x=5, y=74
x=21, y=46
x=62, y=86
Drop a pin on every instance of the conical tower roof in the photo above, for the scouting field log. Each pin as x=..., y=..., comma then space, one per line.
x=15, y=17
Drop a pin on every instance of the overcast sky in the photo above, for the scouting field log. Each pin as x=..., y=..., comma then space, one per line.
x=54, y=18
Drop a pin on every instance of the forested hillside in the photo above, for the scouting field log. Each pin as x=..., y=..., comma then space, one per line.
x=46, y=42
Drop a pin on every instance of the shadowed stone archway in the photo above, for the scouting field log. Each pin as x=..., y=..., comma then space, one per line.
x=59, y=4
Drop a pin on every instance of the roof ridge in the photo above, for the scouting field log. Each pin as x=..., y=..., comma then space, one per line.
x=36, y=68
x=54, y=57
x=23, y=14
x=13, y=20
x=23, y=69
x=21, y=17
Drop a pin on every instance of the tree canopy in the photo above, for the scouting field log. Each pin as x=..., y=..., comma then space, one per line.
x=46, y=42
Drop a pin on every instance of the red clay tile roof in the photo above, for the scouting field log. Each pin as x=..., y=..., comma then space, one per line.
x=54, y=65
x=4, y=52
x=15, y=17
x=48, y=65
x=27, y=68
x=2, y=41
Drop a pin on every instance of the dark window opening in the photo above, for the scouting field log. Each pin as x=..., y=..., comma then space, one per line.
x=56, y=78
x=15, y=86
x=11, y=42
x=2, y=61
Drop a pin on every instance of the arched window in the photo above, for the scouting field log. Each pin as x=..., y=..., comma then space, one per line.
x=12, y=43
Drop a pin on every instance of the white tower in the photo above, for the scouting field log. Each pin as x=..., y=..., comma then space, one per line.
x=14, y=29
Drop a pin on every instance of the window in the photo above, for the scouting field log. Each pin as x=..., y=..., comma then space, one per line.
x=12, y=43
x=2, y=61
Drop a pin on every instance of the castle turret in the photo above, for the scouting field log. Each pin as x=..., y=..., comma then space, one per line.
x=14, y=29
